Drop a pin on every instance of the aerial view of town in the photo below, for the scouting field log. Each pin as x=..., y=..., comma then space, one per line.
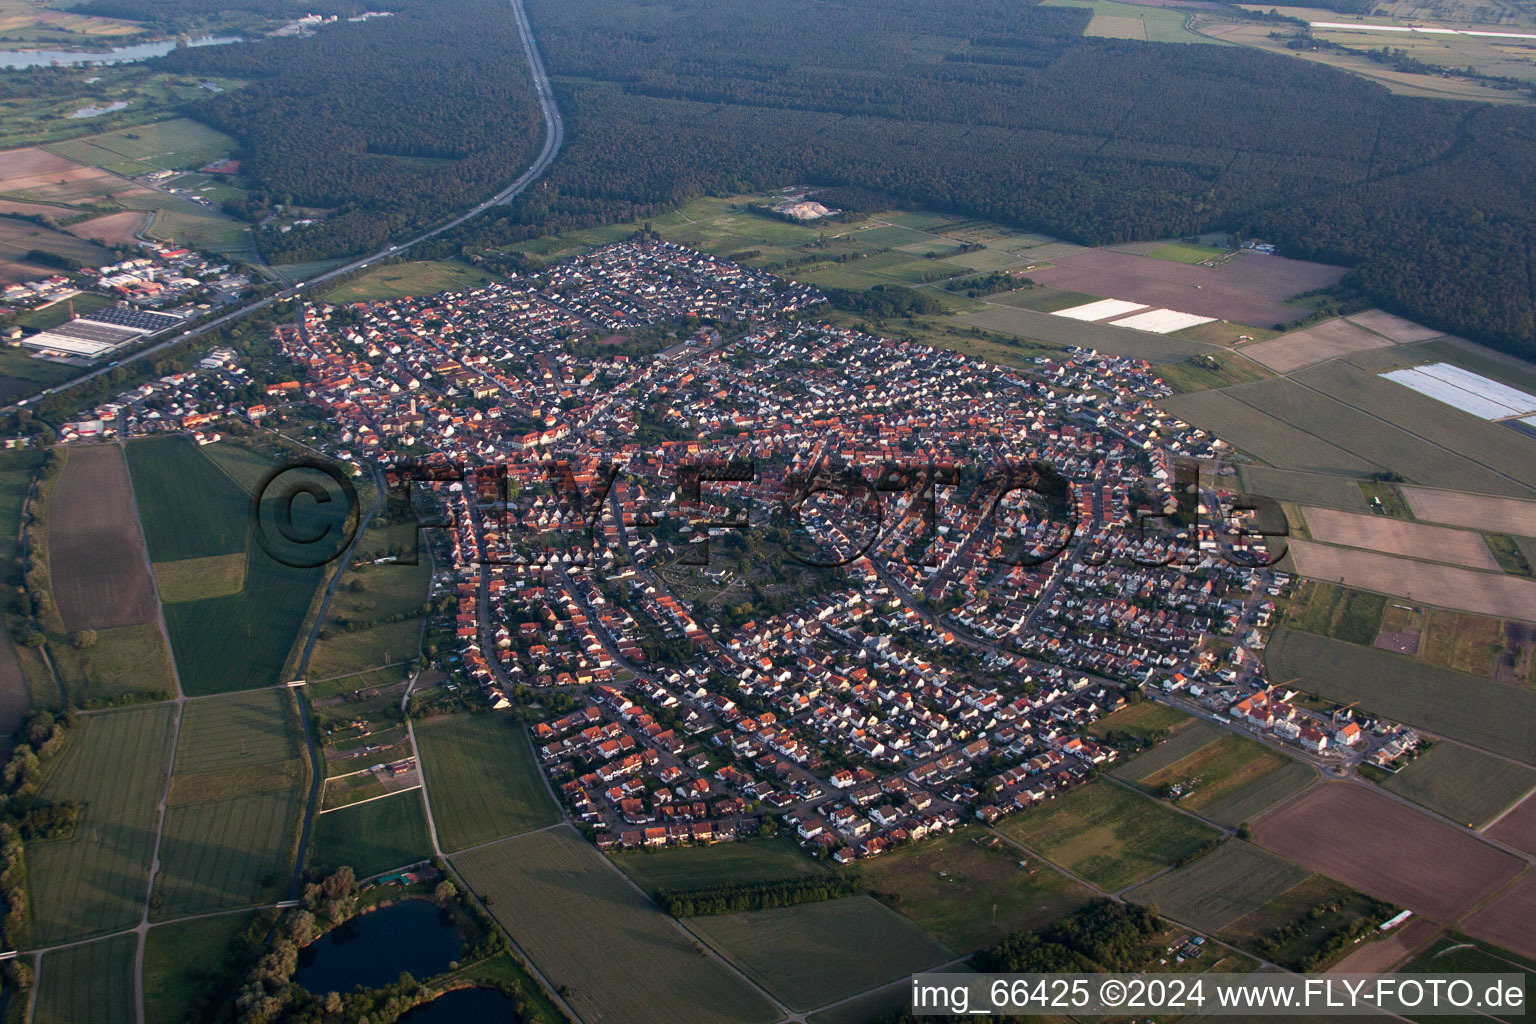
x=600, y=512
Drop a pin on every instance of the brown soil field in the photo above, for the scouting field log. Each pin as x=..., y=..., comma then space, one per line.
x=14, y=699
x=1249, y=289
x=114, y=229
x=1442, y=586
x=26, y=163
x=1400, y=537
x=1327, y=340
x=95, y=548
x=32, y=209
x=1394, y=327
x=1518, y=827
x=1381, y=956
x=1387, y=849
x=1474, y=511
x=19, y=236
x=1506, y=920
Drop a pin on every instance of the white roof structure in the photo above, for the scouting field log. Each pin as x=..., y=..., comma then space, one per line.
x=1163, y=321
x=1103, y=309
x=1462, y=389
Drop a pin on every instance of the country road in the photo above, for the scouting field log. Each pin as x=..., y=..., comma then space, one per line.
x=554, y=138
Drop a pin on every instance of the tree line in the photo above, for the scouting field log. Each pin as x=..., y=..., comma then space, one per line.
x=735, y=897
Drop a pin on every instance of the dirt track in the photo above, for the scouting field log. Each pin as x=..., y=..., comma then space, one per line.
x=1387, y=849
x=95, y=549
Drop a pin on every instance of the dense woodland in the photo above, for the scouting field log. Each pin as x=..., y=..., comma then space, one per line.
x=389, y=125
x=979, y=107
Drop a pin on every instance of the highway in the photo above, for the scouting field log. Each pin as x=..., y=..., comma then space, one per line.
x=554, y=138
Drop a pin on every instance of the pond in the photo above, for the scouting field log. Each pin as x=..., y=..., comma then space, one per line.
x=98, y=111
x=16, y=59
x=372, y=949
x=485, y=1005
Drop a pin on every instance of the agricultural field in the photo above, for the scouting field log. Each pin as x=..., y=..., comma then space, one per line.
x=1330, y=339
x=129, y=660
x=178, y=144
x=92, y=982
x=1292, y=928
x=1506, y=919
x=1492, y=716
x=236, y=798
x=355, y=636
x=1386, y=849
x=1106, y=834
x=1303, y=488
x=96, y=559
x=1147, y=720
x=22, y=374
x=1350, y=615
x=195, y=579
x=371, y=837
x=1473, y=511
x=1113, y=20
x=1456, y=953
x=1194, y=735
x=1036, y=326
x=1198, y=373
x=970, y=889
x=1445, y=586
x=815, y=953
x=740, y=862
x=1466, y=643
x=1233, y=881
x=188, y=507
x=1517, y=828
x=1231, y=779
x=1465, y=785
x=1397, y=537
x=96, y=880
x=406, y=280
x=179, y=958
x=482, y=779
x=597, y=939
x=1189, y=252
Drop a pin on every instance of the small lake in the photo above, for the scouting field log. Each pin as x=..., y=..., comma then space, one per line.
x=485, y=1005
x=15, y=59
x=372, y=949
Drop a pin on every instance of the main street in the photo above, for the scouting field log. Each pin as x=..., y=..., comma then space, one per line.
x=554, y=138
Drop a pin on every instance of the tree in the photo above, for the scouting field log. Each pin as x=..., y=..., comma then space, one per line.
x=445, y=894
x=83, y=639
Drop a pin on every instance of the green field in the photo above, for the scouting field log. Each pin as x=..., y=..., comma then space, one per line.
x=1353, y=616
x=126, y=660
x=95, y=881
x=1492, y=716
x=693, y=867
x=1200, y=372
x=1293, y=927
x=367, y=594
x=816, y=953
x=1158, y=24
x=1186, y=252
x=408, y=280
x=179, y=959
x=236, y=799
x=481, y=779
x=598, y=940
x=1193, y=736
x=1229, y=779
x=1217, y=889
x=195, y=579
x=1303, y=488
x=970, y=889
x=373, y=837
x=1147, y=720
x=166, y=145
x=90, y=983
x=189, y=508
x=1106, y=834
x=1467, y=786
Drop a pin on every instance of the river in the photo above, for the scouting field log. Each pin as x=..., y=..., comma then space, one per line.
x=17, y=59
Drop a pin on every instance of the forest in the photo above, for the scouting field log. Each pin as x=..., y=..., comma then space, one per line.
x=374, y=128
x=985, y=109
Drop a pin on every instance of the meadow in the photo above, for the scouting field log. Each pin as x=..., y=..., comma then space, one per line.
x=1145, y=720
x=194, y=579
x=1476, y=711
x=1227, y=778
x=179, y=960
x=693, y=867
x=92, y=982
x=1310, y=914
x=176, y=144
x=129, y=660
x=815, y=953
x=96, y=880
x=1106, y=834
x=1231, y=882
x=406, y=280
x=482, y=779
x=1349, y=615
x=970, y=889
x=373, y=837
x=236, y=798
x=1465, y=785
x=605, y=946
